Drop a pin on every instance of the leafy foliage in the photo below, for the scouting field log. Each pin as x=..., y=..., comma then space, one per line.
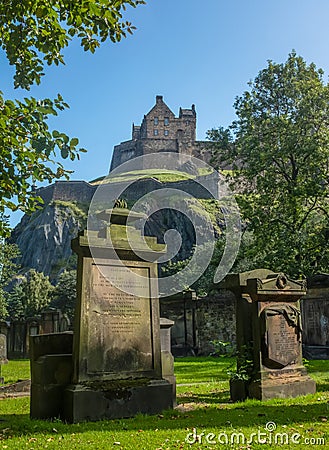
x=64, y=295
x=27, y=146
x=8, y=253
x=32, y=34
x=279, y=152
x=205, y=283
x=30, y=296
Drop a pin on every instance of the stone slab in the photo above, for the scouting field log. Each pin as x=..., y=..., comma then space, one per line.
x=283, y=344
x=52, y=343
x=50, y=376
x=282, y=388
x=123, y=342
x=92, y=403
x=116, y=302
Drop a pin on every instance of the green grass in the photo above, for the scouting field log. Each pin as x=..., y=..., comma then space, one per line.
x=16, y=370
x=162, y=175
x=204, y=406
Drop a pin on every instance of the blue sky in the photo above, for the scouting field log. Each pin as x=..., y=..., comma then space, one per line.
x=189, y=51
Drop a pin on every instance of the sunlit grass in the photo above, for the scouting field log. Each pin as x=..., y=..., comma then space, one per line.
x=203, y=407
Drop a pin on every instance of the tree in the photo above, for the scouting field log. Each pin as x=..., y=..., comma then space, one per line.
x=8, y=254
x=29, y=297
x=32, y=34
x=279, y=153
x=64, y=295
x=16, y=304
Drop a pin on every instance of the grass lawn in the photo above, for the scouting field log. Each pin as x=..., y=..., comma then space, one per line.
x=204, y=407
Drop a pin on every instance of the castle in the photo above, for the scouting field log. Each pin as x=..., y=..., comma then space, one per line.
x=161, y=131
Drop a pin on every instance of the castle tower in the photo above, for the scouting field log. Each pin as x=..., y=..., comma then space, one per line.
x=160, y=131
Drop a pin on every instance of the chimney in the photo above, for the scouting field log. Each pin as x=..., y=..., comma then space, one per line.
x=159, y=99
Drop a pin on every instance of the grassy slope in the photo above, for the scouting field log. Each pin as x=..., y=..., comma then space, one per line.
x=163, y=175
x=204, y=406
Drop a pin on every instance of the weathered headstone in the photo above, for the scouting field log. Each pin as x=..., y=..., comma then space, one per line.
x=3, y=353
x=315, y=317
x=269, y=335
x=116, y=352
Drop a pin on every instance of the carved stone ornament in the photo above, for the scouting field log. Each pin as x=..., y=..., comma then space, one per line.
x=281, y=281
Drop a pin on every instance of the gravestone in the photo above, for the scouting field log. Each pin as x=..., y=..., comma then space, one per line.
x=3, y=354
x=269, y=335
x=315, y=317
x=116, y=347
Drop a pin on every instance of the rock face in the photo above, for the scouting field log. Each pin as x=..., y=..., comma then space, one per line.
x=44, y=238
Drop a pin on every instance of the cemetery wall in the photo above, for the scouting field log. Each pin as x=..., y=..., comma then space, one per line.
x=216, y=320
x=199, y=322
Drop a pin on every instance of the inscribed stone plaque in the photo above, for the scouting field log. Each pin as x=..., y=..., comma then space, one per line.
x=282, y=341
x=120, y=327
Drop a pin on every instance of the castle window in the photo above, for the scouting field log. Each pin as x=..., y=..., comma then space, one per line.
x=155, y=132
x=166, y=132
x=156, y=120
x=166, y=120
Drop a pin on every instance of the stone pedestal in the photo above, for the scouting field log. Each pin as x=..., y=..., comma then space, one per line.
x=117, y=368
x=167, y=359
x=269, y=334
x=51, y=372
x=112, y=400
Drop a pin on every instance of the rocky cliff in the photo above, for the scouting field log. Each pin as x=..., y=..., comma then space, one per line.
x=44, y=238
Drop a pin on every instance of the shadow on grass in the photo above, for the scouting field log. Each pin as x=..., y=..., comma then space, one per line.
x=317, y=365
x=249, y=413
x=213, y=397
x=322, y=387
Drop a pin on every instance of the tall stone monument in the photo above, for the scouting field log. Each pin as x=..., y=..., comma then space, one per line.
x=269, y=335
x=116, y=346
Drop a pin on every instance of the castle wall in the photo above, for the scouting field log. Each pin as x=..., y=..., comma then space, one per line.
x=70, y=191
x=82, y=192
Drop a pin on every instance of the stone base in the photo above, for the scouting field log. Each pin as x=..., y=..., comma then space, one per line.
x=116, y=400
x=282, y=387
x=316, y=351
x=167, y=363
x=50, y=376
